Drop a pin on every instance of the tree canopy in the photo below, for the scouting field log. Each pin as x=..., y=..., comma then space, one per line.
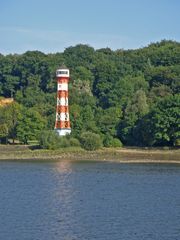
x=128, y=96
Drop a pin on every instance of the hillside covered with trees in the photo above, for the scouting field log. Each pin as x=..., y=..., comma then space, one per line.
x=128, y=96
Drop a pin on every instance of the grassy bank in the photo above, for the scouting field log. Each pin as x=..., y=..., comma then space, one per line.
x=21, y=152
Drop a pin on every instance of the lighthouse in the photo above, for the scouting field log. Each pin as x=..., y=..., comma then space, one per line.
x=62, y=124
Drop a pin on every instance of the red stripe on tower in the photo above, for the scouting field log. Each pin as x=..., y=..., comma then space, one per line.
x=62, y=124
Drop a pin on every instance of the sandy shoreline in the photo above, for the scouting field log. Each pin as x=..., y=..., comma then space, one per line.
x=122, y=155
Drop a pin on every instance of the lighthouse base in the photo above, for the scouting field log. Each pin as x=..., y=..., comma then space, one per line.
x=63, y=131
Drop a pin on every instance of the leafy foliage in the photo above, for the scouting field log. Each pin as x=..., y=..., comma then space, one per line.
x=166, y=121
x=124, y=95
x=109, y=141
x=29, y=126
x=49, y=140
x=90, y=141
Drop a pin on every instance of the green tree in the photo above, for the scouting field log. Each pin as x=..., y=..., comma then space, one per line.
x=9, y=116
x=166, y=120
x=29, y=126
x=76, y=120
x=87, y=116
x=135, y=110
x=79, y=55
x=162, y=125
x=3, y=133
x=164, y=76
x=108, y=120
x=106, y=74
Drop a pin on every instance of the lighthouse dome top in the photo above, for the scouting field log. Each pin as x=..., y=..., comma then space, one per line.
x=62, y=71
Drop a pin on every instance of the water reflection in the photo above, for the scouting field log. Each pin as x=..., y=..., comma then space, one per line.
x=64, y=195
x=63, y=167
x=74, y=200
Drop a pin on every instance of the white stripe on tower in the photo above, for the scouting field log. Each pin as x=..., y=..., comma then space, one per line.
x=62, y=101
x=62, y=87
x=62, y=116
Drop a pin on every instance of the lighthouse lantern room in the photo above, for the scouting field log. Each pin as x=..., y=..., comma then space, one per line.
x=62, y=124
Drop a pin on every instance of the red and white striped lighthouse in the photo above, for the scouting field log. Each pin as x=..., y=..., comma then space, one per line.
x=62, y=124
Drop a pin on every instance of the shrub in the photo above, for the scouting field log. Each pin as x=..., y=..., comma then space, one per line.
x=74, y=142
x=49, y=140
x=177, y=143
x=90, y=141
x=109, y=141
x=63, y=142
x=116, y=143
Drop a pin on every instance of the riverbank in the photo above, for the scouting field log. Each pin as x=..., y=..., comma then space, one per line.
x=124, y=155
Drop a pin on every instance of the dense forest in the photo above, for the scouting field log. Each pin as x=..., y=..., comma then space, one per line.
x=123, y=96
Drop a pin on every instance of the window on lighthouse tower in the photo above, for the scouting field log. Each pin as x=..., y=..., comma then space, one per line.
x=62, y=72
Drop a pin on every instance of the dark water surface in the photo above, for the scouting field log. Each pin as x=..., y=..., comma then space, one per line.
x=89, y=200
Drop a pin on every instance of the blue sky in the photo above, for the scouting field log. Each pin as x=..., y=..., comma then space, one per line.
x=53, y=25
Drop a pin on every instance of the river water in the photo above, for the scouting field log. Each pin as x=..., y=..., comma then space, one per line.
x=89, y=200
